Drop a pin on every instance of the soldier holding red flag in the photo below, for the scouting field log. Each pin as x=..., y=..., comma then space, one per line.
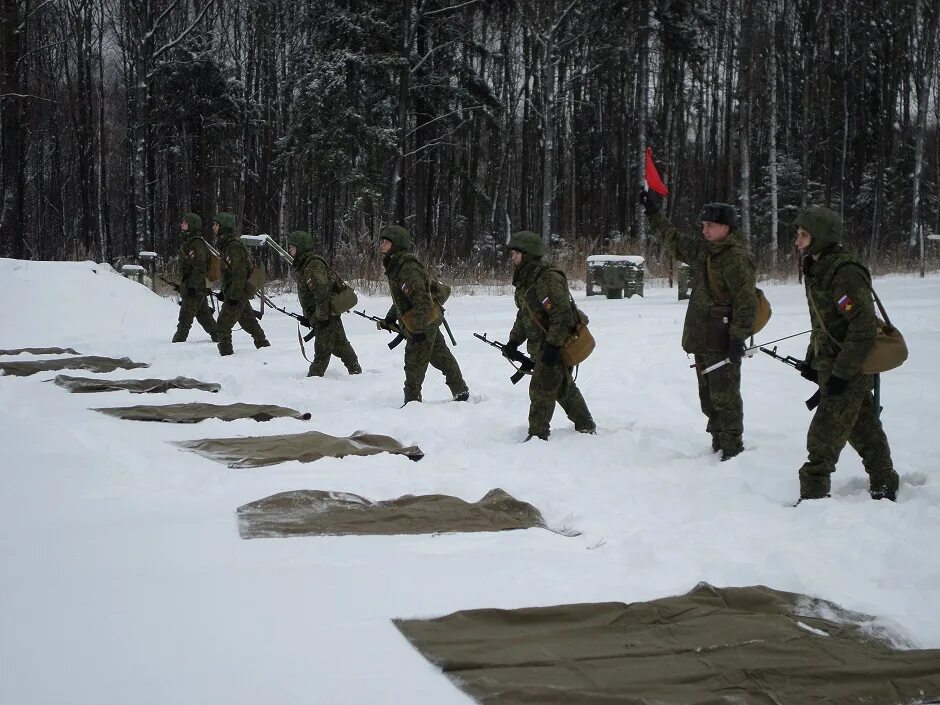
x=721, y=309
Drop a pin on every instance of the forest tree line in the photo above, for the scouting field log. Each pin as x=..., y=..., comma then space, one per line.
x=464, y=120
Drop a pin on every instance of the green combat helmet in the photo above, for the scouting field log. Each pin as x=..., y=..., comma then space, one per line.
x=397, y=235
x=226, y=223
x=195, y=222
x=823, y=224
x=527, y=242
x=302, y=240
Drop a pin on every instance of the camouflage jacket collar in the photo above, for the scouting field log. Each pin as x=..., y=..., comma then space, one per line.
x=526, y=274
x=394, y=260
x=734, y=241
x=190, y=236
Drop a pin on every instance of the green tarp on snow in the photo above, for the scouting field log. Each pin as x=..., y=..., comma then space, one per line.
x=135, y=386
x=40, y=351
x=741, y=646
x=316, y=513
x=88, y=362
x=254, y=451
x=196, y=412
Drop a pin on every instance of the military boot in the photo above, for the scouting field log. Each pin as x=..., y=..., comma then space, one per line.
x=462, y=396
x=263, y=343
x=180, y=335
x=225, y=348
x=312, y=371
x=354, y=370
x=540, y=436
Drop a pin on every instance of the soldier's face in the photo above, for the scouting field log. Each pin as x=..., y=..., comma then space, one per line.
x=714, y=232
x=216, y=227
x=292, y=250
x=516, y=257
x=803, y=240
x=184, y=225
x=385, y=246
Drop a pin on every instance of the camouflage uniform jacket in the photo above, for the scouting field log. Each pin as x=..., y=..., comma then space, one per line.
x=541, y=294
x=734, y=273
x=194, y=263
x=235, y=268
x=410, y=288
x=315, y=285
x=839, y=292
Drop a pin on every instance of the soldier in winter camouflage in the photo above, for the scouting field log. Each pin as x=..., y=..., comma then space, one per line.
x=839, y=295
x=236, y=291
x=194, y=266
x=316, y=284
x=414, y=309
x=723, y=274
x=546, y=317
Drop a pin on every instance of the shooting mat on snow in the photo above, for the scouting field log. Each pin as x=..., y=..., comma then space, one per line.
x=134, y=386
x=87, y=362
x=316, y=513
x=254, y=451
x=40, y=351
x=748, y=645
x=196, y=412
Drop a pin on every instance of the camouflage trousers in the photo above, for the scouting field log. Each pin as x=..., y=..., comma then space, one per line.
x=195, y=306
x=551, y=384
x=719, y=395
x=329, y=342
x=245, y=315
x=846, y=418
x=432, y=351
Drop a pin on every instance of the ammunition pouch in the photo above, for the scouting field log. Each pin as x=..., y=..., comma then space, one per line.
x=580, y=344
x=717, y=328
x=888, y=352
x=408, y=317
x=343, y=300
x=255, y=281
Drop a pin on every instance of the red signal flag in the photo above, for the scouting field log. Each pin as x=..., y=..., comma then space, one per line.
x=652, y=176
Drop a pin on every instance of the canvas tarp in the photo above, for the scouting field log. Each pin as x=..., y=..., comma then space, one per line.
x=742, y=646
x=196, y=412
x=40, y=351
x=254, y=451
x=87, y=362
x=316, y=513
x=135, y=386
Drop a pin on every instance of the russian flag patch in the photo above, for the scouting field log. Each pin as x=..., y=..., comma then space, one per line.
x=845, y=304
x=547, y=304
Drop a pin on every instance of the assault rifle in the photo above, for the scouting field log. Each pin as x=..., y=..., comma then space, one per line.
x=390, y=327
x=525, y=362
x=799, y=366
x=748, y=352
x=177, y=287
x=300, y=319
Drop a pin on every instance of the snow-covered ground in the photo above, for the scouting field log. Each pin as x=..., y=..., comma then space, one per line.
x=123, y=578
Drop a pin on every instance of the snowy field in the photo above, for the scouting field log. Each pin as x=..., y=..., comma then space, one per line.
x=123, y=579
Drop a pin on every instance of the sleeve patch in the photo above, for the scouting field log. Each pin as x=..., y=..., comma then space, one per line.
x=547, y=304
x=310, y=283
x=845, y=304
x=192, y=254
x=406, y=289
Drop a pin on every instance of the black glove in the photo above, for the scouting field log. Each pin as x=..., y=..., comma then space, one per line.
x=836, y=385
x=220, y=296
x=551, y=354
x=511, y=349
x=324, y=324
x=807, y=372
x=304, y=321
x=386, y=323
x=652, y=202
x=735, y=350
x=419, y=337
x=233, y=302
